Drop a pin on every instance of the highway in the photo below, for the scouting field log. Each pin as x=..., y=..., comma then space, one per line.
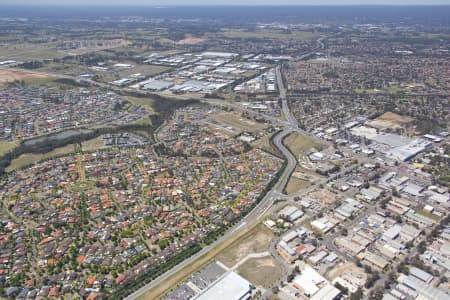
x=250, y=219
x=278, y=139
x=293, y=125
x=255, y=215
x=212, y=101
x=290, y=125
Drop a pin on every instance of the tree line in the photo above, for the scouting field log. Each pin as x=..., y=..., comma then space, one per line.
x=164, y=107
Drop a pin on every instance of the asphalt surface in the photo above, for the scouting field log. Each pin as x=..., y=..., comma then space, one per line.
x=329, y=242
x=290, y=126
x=263, y=206
x=255, y=215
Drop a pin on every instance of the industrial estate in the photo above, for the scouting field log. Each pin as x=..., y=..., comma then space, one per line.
x=184, y=156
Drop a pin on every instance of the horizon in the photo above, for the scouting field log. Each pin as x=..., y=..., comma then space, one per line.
x=162, y=6
x=223, y=3
x=366, y=12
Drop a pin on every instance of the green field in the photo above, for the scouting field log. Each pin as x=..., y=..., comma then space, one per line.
x=238, y=122
x=270, y=34
x=5, y=147
x=395, y=89
x=264, y=144
x=145, y=102
x=28, y=52
x=364, y=91
x=294, y=185
x=29, y=158
x=299, y=143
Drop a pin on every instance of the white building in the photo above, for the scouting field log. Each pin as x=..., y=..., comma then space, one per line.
x=231, y=286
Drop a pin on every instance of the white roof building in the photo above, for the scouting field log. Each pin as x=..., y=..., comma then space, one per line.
x=289, y=236
x=392, y=233
x=219, y=54
x=421, y=274
x=372, y=193
x=328, y=292
x=313, y=285
x=425, y=291
x=413, y=189
x=230, y=286
x=308, y=281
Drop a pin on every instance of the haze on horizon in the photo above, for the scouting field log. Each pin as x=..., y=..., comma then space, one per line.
x=222, y=2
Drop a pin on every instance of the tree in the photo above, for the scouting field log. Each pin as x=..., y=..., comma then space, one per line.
x=376, y=294
x=358, y=263
x=358, y=295
x=402, y=268
x=398, y=219
x=342, y=288
x=123, y=182
x=344, y=232
x=422, y=247
x=372, y=279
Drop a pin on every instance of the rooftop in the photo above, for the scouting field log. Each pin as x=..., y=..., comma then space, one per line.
x=231, y=286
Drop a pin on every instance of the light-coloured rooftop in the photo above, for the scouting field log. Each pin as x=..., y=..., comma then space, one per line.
x=231, y=286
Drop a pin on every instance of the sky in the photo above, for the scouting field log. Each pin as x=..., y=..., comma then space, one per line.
x=224, y=2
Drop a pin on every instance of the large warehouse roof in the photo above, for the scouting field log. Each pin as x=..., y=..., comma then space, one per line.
x=230, y=287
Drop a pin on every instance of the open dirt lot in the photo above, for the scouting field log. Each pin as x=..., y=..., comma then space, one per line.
x=324, y=196
x=261, y=271
x=186, y=41
x=296, y=184
x=391, y=120
x=301, y=179
x=12, y=75
x=245, y=236
x=239, y=123
x=349, y=272
x=191, y=41
x=256, y=241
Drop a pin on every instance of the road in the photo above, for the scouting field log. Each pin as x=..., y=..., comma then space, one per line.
x=292, y=121
x=263, y=206
x=290, y=126
x=212, y=101
x=248, y=220
x=329, y=242
x=254, y=216
x=380, y=284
